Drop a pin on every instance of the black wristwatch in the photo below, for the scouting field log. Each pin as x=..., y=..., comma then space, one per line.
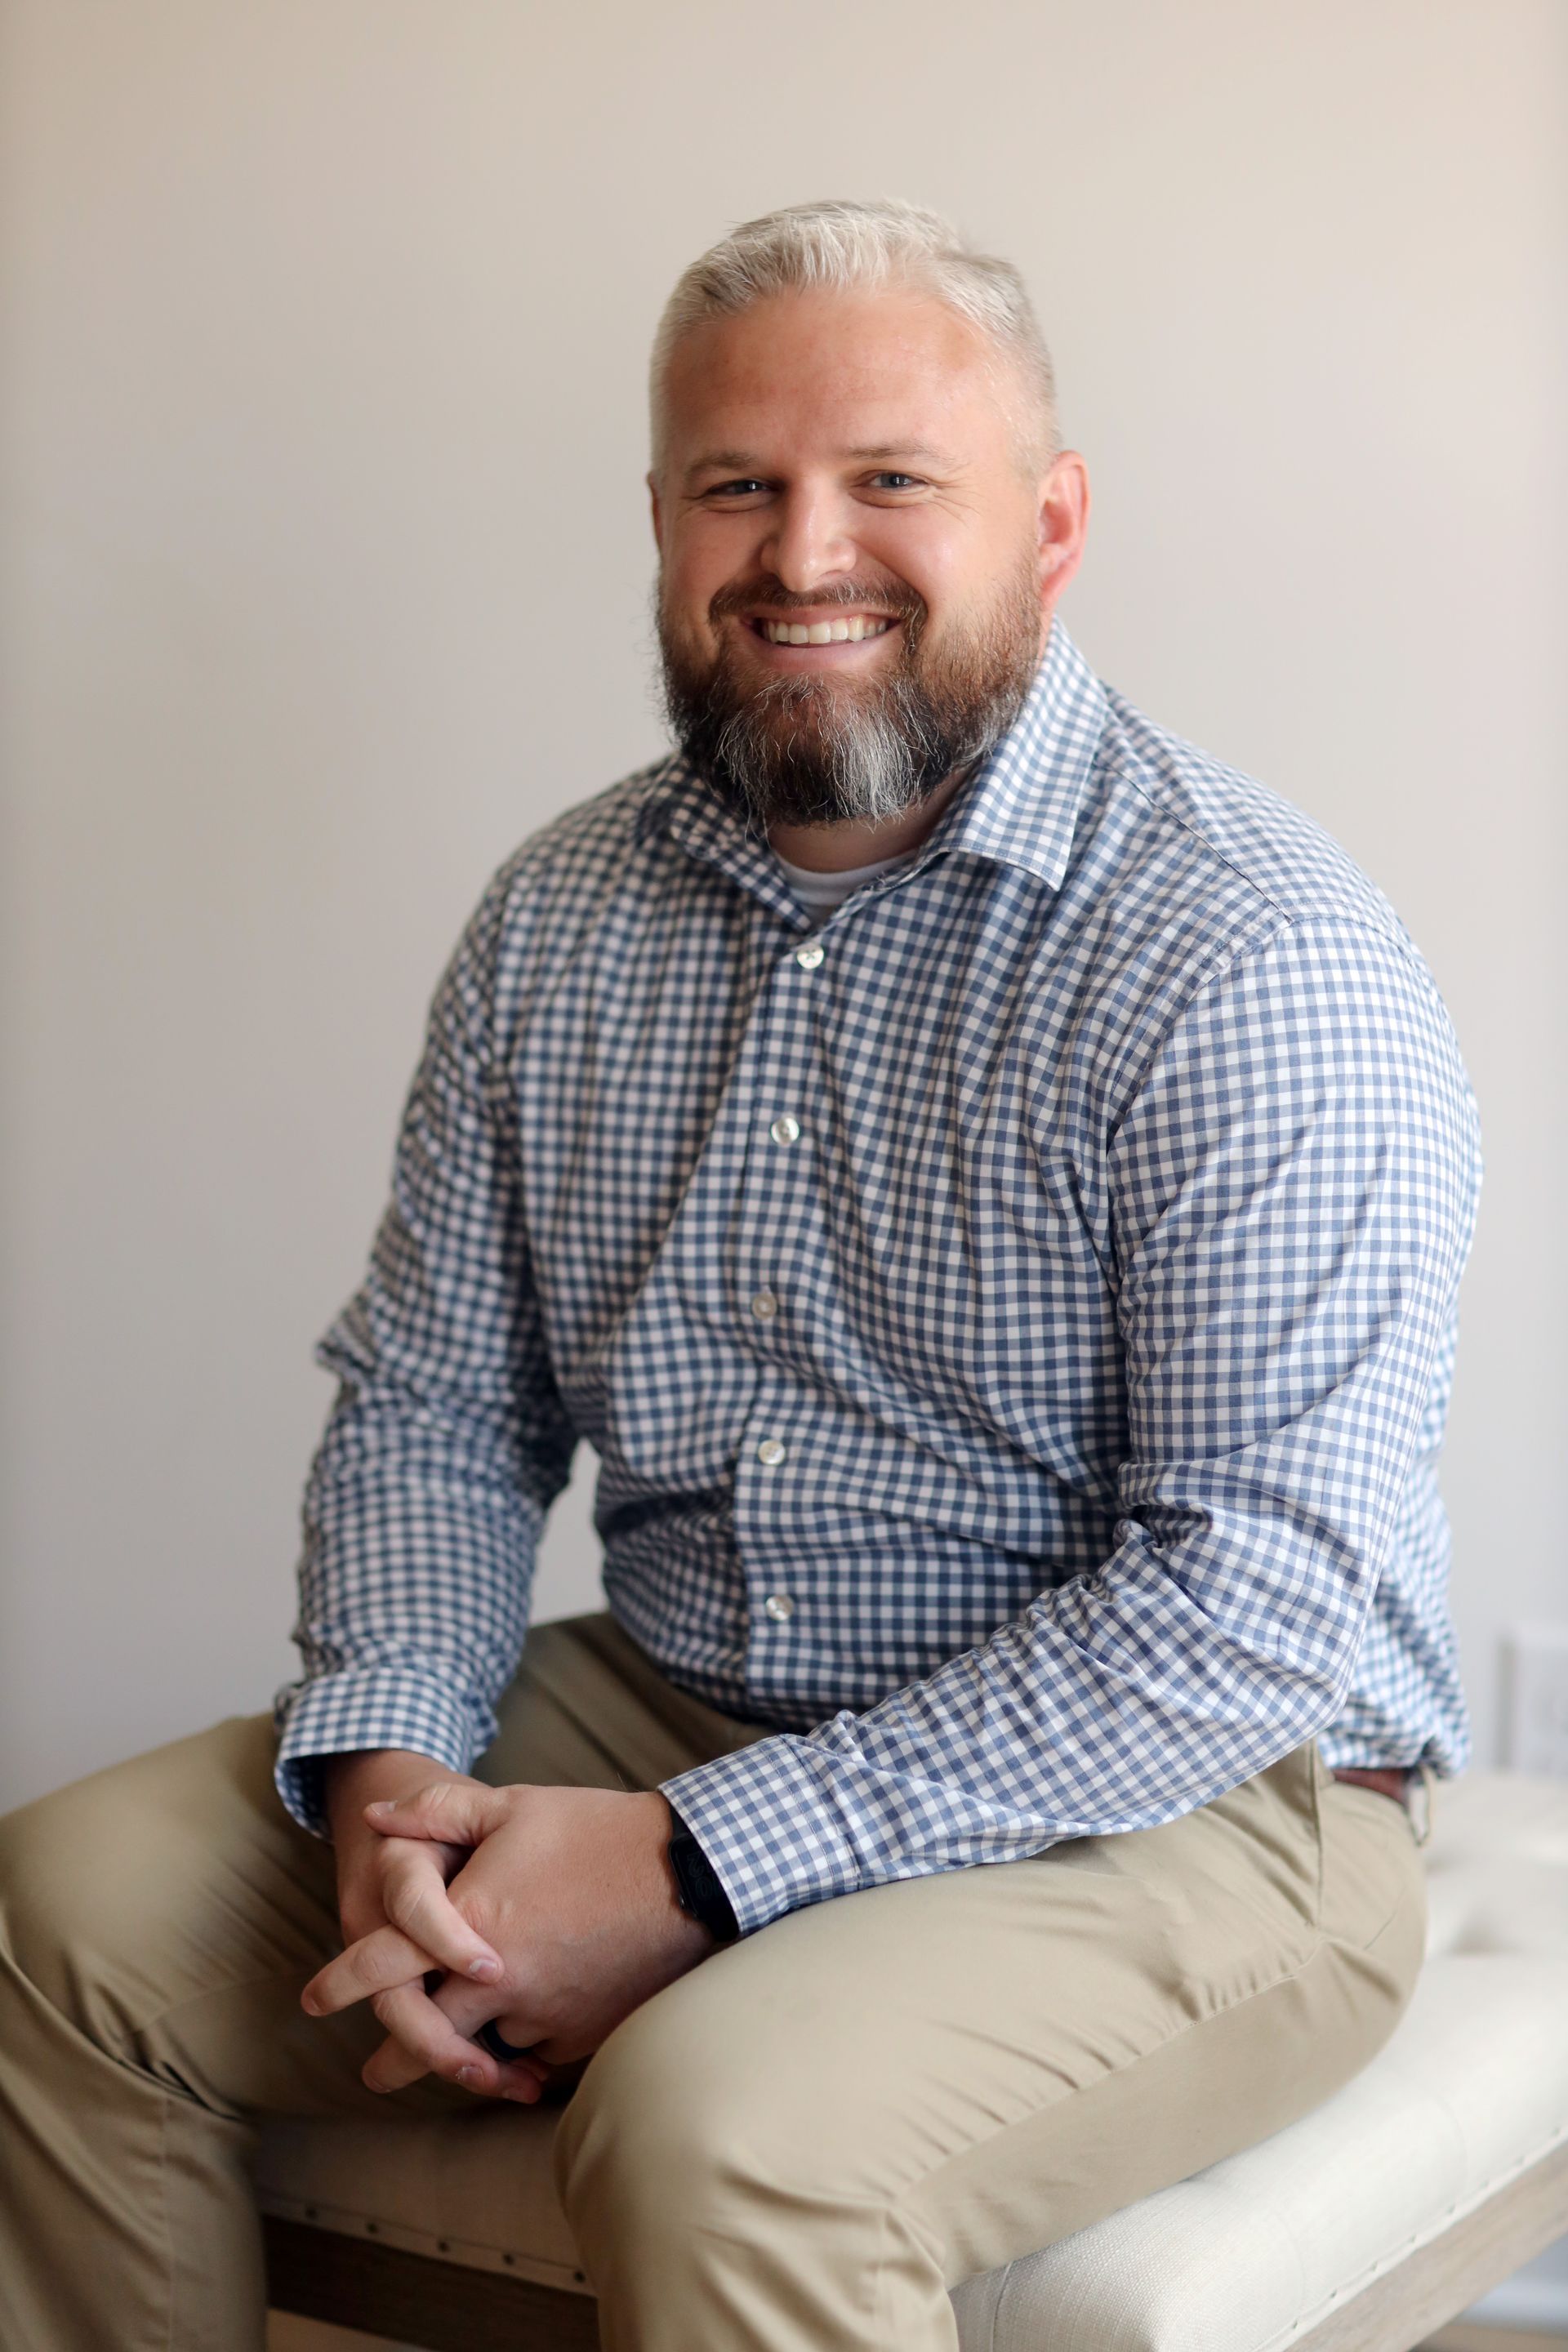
x=697, y=1887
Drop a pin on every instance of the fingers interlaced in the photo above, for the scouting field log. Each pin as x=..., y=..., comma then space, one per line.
x=429, y=1932
x=424, y=2041
x=429, y=1837
x=434, y=2035
x=413, y=1892
x=429, y=2035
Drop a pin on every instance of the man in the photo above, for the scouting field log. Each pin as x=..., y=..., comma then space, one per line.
x=991, y=1185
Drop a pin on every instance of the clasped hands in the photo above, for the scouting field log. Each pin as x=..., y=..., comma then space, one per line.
x=550, y=1911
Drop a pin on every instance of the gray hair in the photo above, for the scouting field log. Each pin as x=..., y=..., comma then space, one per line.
x=840, y=245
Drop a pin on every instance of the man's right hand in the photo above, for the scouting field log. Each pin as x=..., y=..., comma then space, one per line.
x=401, y=1883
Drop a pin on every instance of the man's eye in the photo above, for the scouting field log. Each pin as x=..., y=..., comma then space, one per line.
x=891, y=481
x=741, y=489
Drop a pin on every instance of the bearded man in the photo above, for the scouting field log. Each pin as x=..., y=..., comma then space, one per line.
x=990, y=1184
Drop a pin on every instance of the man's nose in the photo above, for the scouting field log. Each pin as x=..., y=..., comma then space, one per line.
x=809, y=542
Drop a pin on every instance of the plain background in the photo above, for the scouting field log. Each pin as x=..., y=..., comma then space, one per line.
x=324, y=572
x=325, y=578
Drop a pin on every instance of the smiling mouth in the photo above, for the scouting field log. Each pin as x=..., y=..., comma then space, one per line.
x=850, y=632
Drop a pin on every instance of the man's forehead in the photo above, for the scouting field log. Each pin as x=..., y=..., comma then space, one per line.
x=879, y=371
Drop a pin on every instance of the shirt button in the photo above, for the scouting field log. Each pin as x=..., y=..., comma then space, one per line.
x=785, y=1130
x=810, y=956
x=764, y=1305
x=779, y=1607
x=771, y=1452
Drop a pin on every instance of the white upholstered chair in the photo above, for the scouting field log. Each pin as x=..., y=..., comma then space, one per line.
x=1440, y=2169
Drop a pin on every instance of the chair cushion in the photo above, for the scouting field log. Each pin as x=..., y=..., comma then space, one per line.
x=1248, y=2256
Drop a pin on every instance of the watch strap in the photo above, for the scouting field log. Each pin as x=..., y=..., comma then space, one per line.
x=697, y=1889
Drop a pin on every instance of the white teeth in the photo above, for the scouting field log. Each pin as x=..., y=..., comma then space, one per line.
x=823, y=632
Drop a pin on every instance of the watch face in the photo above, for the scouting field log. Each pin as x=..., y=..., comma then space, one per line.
x=682, y=1847
x=698, y=1890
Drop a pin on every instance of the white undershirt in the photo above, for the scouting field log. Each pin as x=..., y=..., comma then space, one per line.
x=820, y=893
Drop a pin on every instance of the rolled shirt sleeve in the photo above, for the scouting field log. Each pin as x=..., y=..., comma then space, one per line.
x=1293, y=1169
x=449, y=1439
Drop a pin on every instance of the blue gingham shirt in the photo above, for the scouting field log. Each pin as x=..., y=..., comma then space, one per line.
x=1013, y=1314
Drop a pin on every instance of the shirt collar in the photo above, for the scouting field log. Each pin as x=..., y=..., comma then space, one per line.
x=1020, y=808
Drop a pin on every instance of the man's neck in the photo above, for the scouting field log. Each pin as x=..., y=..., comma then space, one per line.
x=834, y=849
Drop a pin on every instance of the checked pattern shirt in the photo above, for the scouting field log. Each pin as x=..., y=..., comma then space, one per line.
x=1014, y=1315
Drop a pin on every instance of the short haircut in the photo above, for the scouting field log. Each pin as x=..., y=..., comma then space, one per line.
x=840, y=245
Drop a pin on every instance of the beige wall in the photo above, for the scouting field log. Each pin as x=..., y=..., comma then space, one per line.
x=325, y=575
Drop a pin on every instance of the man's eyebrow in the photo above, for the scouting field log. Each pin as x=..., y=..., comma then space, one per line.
x=724, y=461
x=921, y=450
x=746, y=461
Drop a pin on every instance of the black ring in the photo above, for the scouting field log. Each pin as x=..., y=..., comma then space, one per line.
x=490, y=2037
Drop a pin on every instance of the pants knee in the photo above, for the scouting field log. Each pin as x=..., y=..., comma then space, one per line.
x=103, y=1882
x=645, y=2133
x=714, y=2200
x=675, y=2134
x=69, y=1898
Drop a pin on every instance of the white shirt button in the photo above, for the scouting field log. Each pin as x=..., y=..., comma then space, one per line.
x=764, y=1305
x=779, y=1607
x=785, y=1130
x=771, y=1452
x=810, y=956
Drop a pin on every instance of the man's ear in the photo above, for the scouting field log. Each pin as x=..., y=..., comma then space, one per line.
x=1063, y=521
x=655, y=512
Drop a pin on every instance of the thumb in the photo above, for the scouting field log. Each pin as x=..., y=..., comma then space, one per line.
x=451, y=1812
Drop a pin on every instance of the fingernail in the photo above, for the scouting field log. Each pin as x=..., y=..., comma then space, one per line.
x=469, y=2077
x=487, y=1970
x=382, y=1805
x=310, y=2004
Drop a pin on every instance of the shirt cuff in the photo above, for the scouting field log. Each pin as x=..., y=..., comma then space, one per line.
x=768, y=1819
x=334, y=1715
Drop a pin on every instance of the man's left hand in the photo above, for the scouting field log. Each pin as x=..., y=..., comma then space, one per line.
x=571, y=1887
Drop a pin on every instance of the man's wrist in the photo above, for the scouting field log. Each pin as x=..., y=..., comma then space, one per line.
x=353, y=1777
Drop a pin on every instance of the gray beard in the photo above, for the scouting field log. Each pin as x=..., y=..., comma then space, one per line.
x=794, y=754
x=806, y=751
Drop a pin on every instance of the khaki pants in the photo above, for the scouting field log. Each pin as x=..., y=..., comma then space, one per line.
x=799, y=2145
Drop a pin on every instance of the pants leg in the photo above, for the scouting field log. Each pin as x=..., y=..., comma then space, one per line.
x=801, y=2145
x=158, y=1922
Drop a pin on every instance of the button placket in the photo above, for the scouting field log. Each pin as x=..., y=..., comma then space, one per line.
x=780, y=1220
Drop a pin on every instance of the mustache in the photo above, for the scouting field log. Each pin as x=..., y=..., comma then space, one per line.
x=896, y=603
